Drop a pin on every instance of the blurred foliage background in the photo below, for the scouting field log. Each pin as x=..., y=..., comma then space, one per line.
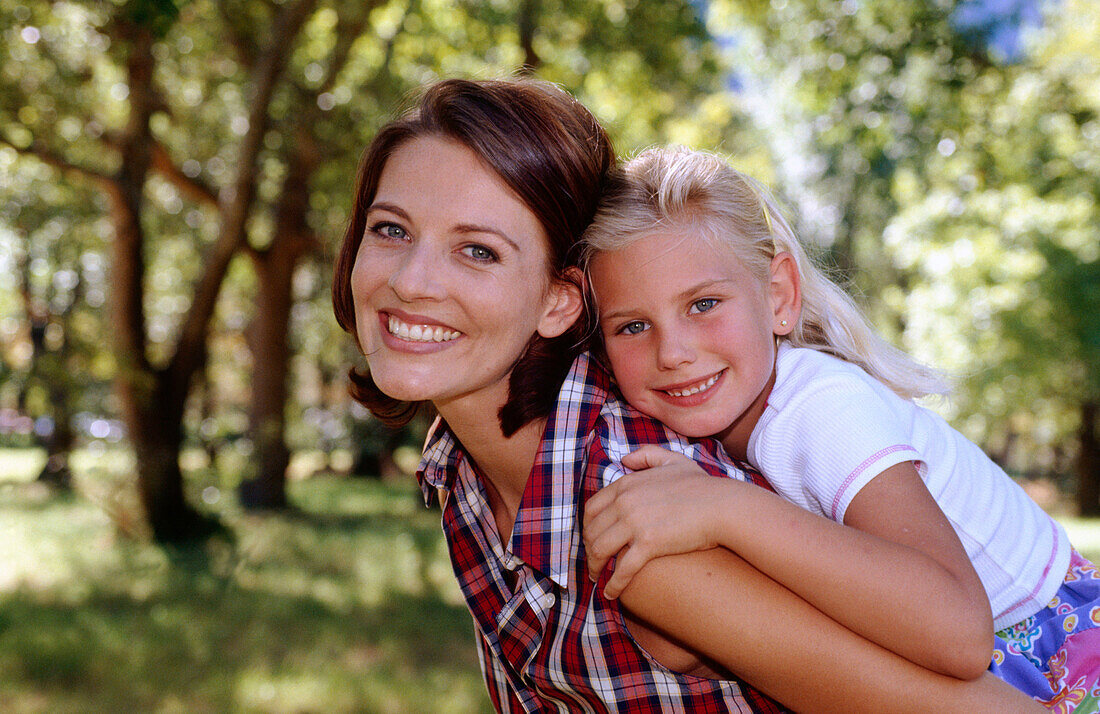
x=176, y=441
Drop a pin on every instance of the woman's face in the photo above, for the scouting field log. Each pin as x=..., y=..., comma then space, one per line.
x=450, y=281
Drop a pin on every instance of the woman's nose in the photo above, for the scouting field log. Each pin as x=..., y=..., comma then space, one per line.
x=417, y=275
x=674, y=349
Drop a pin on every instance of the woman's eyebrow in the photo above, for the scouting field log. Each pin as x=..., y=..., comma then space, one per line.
x=475, y=228
x=460, y=228
x=389, y=208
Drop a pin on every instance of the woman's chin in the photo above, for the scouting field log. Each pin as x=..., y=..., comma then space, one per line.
x=403, y=391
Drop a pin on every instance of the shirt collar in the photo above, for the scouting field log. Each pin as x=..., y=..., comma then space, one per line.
x=438, y=462
x=546, y=535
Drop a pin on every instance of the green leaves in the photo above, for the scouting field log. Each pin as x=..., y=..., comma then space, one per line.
x=156, y=15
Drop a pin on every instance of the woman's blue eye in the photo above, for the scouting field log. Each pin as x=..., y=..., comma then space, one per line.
x=634, y=328
x=703, y=305
x=480, y=253
x=389, y=230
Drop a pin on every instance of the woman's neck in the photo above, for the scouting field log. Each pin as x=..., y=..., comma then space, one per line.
x=503, y=462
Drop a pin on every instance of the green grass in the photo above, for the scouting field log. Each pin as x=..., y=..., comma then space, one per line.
x=1084, y=533
x=345, y=604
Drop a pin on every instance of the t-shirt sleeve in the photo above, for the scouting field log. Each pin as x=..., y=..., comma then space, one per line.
x=828, y=442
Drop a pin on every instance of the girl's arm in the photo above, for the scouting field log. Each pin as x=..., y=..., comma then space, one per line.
x=902, y=580
x=718, y=605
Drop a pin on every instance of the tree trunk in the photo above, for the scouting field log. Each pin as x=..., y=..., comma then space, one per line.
x=267, y=340
x=527, y=24
x=49, y=369
x=1088, y=462
x=152, y=400
x=267, y=335
x=59, y=442
x=156, y=432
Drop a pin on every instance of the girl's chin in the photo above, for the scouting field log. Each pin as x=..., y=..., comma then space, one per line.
x=692, y=431
x=693, y=428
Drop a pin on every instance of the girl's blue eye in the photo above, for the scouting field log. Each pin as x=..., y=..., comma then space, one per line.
x=703, y=305
x=480, y=253
x=389, y=230
x=634, y=328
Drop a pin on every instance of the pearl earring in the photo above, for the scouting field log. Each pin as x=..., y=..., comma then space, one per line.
x=782, y=323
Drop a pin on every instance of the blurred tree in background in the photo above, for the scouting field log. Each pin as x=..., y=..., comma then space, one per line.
x=177, y=175
x=1000, y=234
x=217, y=141
x=957, y=188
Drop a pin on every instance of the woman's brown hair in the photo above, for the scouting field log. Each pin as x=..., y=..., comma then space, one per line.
x=552, y=153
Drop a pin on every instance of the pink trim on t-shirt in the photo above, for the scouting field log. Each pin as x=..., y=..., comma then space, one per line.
x=860, y=469
x=1030, y=598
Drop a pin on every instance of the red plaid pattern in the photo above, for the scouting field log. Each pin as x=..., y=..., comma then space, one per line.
x=548, y=642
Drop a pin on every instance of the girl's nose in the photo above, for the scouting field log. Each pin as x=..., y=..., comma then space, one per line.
x=416, y=276
x=674, y=350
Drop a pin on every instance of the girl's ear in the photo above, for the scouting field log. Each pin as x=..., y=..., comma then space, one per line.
x=565, y=303
x=785, y=291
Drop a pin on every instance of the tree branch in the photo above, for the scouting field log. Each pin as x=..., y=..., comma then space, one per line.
x=346, y=35
x=162, y=163
x=196, y=189
x=237, y=204
x=65, y=165
x=240, y=41
x=528, y=22
x=387, y=56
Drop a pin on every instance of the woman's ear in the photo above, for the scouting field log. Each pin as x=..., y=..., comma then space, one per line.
x=565, y=303
x=785, y=291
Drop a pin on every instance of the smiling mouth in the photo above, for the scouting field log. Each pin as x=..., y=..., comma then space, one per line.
x=695, y=388
x=420, y=333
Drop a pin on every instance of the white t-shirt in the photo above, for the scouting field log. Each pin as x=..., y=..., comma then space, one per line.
x=829, y=428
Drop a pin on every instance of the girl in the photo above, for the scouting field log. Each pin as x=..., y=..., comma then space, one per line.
x=715, y=322
x=457, y=278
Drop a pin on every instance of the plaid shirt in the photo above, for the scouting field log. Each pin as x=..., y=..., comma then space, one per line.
x=547, y=641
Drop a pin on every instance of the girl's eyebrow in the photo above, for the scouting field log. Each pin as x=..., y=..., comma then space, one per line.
x=460, y=228
x=683, y=295
x=704, y=285
x=615, y=314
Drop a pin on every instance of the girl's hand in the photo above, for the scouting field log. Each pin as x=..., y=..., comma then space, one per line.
x=666, y=506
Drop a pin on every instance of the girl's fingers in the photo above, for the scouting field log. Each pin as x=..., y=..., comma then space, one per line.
x=601, y=499
x=598, y=519
x=650, y=456
x=629, y=562
x=601, y=546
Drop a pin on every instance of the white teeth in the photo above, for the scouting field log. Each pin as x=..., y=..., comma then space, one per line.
x=420, y=333
x=701, y=387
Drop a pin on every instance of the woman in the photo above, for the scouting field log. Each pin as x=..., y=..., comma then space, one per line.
x=456, y=278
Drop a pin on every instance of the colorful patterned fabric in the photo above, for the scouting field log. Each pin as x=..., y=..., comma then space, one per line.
x=548, y=642
x=1054, y=655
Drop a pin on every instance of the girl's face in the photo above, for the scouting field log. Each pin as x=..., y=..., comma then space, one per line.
x=690, y=332
x=450, y=282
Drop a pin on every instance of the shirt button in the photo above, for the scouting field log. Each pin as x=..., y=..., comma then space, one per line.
x=548, y=600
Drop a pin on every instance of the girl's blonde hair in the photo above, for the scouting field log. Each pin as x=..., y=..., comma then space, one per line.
x=663, y=187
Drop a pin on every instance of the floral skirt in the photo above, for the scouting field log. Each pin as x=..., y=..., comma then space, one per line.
x=1054, y=655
